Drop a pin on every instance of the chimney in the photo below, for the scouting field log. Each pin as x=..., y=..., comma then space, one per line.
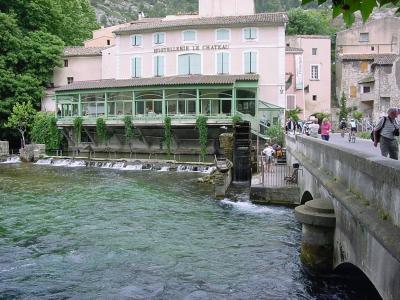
x=141, y=15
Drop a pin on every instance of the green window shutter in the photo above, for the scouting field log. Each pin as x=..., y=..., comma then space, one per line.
x=189, y=36
x=195, y=64
x=137, y=67
x=159, y=66
x=223, y=63
x=222, y=34
x=183, y=64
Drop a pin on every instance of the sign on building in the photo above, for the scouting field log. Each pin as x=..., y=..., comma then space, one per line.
x=299, y=71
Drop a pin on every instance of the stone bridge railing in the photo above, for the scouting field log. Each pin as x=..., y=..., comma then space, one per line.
x=365, y=194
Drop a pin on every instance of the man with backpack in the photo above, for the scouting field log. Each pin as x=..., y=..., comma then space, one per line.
x=385, y=133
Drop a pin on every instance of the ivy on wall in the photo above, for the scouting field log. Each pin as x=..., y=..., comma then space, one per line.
x=168, y=134
x=128, y=128
x=78, y=129
x=101, y=131
x=201, y=124
x=44, y=131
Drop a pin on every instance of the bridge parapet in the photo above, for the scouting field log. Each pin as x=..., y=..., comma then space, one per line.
x=374, y=180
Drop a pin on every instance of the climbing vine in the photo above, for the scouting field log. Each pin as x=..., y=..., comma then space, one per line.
x=167, y=134
x=201, y=124
x=78, y=128
x=128, y=128
x=236, y=119
x=44, y=131
x=101, y=131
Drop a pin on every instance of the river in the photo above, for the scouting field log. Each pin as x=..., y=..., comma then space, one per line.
x=91, y=233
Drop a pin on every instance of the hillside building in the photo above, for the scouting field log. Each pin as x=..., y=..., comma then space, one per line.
x=368, y=66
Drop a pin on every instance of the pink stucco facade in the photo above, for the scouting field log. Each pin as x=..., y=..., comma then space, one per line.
x=315, y=94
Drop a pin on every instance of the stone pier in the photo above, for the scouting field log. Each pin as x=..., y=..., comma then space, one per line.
x=318, y=226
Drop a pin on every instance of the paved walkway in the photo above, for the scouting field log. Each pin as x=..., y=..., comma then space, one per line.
x=361, y=145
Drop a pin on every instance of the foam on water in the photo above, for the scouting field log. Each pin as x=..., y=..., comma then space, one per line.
x=12, y=160
x=133, y=167
x=164, y=169
x=249, y=207
x=46, y=161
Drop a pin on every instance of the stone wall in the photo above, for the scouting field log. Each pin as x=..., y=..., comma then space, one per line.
x=4, y=148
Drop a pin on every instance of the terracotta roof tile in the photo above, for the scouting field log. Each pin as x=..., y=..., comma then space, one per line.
x=379, y=59
x=262, y=19
x=83, y=51
x=157, y=81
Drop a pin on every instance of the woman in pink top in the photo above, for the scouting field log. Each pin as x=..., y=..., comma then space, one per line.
x=325, y=129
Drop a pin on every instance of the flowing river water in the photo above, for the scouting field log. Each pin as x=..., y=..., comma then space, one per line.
x=90, y=233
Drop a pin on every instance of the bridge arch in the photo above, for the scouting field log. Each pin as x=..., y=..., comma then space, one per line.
x=359, y=280
x=306, y=197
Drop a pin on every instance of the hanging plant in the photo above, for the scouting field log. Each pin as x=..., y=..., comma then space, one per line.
x=78, y=121
x=128, y=128
x=236, y=119
x=168, y=134
x=201, y=124
x=101, y=131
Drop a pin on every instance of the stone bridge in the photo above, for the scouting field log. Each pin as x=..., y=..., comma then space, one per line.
x=365, y=195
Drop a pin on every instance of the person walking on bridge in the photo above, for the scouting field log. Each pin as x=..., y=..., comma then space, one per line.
x=385, y=133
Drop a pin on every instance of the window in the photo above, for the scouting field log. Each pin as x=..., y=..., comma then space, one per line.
x=136, y=67
x=136, y=40
x=222, y=34
x=366, y=89
x=250, y=62
x=364, y=37
x=159, y=65
x=65, y=63
x=314, y=97
x=189, y=36
x=70, y=80
x=108, y=42
x=372, y=48
x=353, y=91
x=385, y=103
x=287, y=45
x=290, y=101
x=363, y=66
x=250, y=33
x=314, y=74
x=314, y=51
x=159, y=38
x=223, y=63
x=189, y=64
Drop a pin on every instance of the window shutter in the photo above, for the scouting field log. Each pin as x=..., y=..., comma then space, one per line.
x=160, y=66
x=290, y=101
x=353, y=91
x=183, y=64
x=195, y=64
x=253, y=62
x=364, y=66
x=247, y=62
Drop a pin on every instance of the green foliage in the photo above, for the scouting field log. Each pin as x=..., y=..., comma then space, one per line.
x=44, y=130
x=347, y=8
x=309, y=22
x=128, y=128
x=32, y=38
x=101, y=131
x=321, y=115
x=21, y=118
x=168, y=134
x=343, y=109
x=236, y=119
x=201, y=124
x=277, y=134
x=294, y=113
x=357, y=115
x=78, y=121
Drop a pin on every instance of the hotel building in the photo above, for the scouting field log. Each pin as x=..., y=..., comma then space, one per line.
x=222, y=62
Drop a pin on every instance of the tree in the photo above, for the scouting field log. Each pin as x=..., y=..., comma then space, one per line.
x=357, y=115
x=294, y=113
x=343, y=109
x=347, y=8
x=308, y=22
x=21, y=118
